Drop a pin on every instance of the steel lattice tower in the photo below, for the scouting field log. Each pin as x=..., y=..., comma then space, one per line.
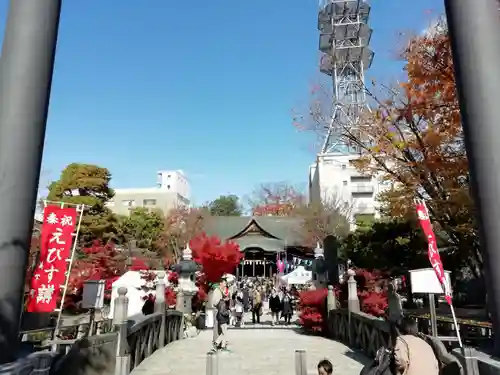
x=344, y=41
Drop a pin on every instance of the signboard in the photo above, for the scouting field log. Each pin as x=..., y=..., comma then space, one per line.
x=425, y=281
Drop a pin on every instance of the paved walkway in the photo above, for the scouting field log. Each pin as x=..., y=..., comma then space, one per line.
x=267, y=351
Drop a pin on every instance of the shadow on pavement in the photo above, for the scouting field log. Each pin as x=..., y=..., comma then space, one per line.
x=354, y=354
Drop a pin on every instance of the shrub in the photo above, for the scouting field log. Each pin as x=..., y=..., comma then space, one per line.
x=371, y=292
x=312, y=308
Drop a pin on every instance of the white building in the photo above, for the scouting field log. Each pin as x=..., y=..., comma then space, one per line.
x=172, y=191
x=174, y=181
x=332, y=179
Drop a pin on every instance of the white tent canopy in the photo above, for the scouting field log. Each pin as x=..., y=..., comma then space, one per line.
x=298, y=276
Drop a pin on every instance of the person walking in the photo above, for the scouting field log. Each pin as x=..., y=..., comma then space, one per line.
x=223, y=318
x=287, y=308
x=246, y=298
x=217, y=295
x=275, y=307
x=239, y=309
x=256, y=305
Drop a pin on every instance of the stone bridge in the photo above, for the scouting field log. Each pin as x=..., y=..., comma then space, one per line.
x=156, y=345
x=253, y=350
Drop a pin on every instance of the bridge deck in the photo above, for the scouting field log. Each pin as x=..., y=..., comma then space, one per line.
x=265, y=350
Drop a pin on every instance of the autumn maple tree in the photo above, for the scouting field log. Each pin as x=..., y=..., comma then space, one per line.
x=180, y=226
x=216, y=257
x=317, y=221
x=412, y=139
x=278, y=199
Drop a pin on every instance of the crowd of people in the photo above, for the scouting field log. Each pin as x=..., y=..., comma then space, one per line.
x=256, y=296
x=408, y=353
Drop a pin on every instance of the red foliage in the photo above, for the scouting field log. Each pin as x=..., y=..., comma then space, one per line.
x=173, y=278
x=170, y=297
x=273, y=209
x=276, y=200
x=371, y=292
x=312, y=307
x=215, y=257
x=101, y=262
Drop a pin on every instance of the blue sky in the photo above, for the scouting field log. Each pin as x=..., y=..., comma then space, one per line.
x=208, y=87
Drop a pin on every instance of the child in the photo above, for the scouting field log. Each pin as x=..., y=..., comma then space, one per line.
x=325, y=367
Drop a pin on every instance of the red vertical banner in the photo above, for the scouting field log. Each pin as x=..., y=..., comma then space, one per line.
x=56, y=243
x=432, y=252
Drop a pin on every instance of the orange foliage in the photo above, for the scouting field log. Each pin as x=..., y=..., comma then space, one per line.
x=414, y=141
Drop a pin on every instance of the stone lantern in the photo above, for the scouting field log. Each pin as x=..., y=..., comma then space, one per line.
x=186, y=269
x=319, y=267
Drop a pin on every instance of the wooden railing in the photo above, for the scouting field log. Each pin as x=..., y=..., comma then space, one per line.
x=477, y=334
x=148, y=335
x=42, y=337
x=358, y=330
x=368, y=334
x=116, y=348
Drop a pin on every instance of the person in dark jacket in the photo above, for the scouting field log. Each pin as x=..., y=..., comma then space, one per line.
x=246, y=299
x=223, y=317
x=287, y=308
x=275, y=307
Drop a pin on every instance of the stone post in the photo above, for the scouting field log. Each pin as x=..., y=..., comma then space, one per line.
x=331, y=300
x=120, y=322
x=160, y=305
x=352, y=292
x=179, y=302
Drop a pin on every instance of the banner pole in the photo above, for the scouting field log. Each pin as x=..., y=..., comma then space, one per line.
x=79, y=209
x=456, y=325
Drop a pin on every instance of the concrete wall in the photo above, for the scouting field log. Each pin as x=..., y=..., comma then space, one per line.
x=152, y=198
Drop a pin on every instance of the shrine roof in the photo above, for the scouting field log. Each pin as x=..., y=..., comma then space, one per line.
x=232, y=227
x=271, y=245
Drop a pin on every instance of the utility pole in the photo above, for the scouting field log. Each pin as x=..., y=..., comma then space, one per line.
x=26, y=68
x=474, y=28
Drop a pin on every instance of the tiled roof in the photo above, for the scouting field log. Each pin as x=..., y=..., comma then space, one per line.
x=287, y=230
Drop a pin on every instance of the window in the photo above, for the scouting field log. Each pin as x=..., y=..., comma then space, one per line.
x=128, y=202
x=344, y=166
x=168, y=176
x=168, y=186
x=149, y=202
x=345, y=183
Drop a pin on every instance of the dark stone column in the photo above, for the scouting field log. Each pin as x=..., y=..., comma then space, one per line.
x=474, y=32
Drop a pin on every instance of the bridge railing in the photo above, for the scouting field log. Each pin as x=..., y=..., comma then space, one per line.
x=358, y=330
x=114, y=353
x=368, y=334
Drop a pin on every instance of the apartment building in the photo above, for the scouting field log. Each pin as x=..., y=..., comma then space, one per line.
x=333, y=179
x=172, y=191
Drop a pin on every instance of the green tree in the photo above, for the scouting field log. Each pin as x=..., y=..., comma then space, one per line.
x=142, y=225
x=225, y=205
x=391, y=246
x=87, y=184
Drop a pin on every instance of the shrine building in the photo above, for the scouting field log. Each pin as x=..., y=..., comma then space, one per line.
x=262, y=239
